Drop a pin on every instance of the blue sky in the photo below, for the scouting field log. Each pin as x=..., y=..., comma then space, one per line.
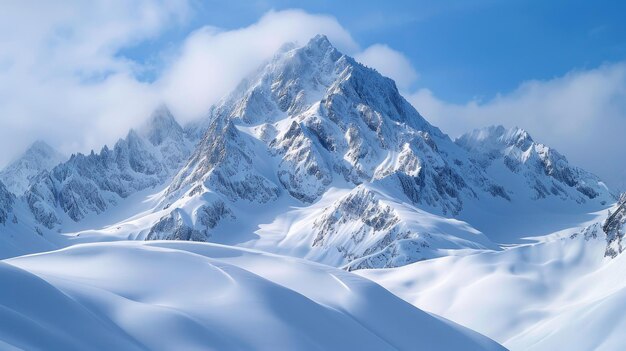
x=462, y=49
x=554, y=68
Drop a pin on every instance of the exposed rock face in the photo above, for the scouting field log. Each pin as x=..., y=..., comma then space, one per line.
x=225, y=162
x=615, y=227
x=6, y=203
x=302, y=170
x=91, y=183
x=361, y=206
x=177, y=225
x=367, y=232
x=173, y=227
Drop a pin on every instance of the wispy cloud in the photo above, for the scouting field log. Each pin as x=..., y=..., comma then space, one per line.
x=213, y=61
x=60, y=77
x=62, y=80
x=390, y=63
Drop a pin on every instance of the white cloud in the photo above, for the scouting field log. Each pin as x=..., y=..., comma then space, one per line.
x=213, y=62
x=60, y=78
x=582, y=114
x=390, y=63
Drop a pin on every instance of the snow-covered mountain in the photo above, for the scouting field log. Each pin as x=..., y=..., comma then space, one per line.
x=313, y=156
x=317, y=156
x=39, y=157
x=313, y=123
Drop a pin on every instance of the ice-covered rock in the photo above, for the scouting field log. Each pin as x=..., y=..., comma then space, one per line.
x=7, y=200
x=615, y=227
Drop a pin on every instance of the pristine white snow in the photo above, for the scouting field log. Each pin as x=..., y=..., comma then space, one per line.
x=196, y=296
x=558, y=293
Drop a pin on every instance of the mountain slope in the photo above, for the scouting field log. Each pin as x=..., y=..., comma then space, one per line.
x=200, y=296
x=559, y=293
x=37, y=158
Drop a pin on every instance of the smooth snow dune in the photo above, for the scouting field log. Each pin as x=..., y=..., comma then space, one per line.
x=198, y=296
x=561, y=294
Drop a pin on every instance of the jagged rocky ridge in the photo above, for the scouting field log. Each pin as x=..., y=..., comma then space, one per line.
x=544, y=170
x=92, y=183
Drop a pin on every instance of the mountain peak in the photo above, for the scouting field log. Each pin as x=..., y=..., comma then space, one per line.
x=161, y=125
x=518, y=152
x=40, y=145
x=320, y=41
x=39, y=156
x=496, y=137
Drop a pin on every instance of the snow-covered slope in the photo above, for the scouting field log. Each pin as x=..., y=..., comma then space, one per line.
x=38, y=157
x=561, y=293
x=193, y=296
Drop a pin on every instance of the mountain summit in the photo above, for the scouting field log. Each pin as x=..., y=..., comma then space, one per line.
x=313, y=126
x=38, y=157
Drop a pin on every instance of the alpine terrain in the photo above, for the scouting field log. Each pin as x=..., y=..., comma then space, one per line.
x=269, y=224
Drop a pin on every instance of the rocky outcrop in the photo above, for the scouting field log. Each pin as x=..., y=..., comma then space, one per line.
x=225, y=162
x=7, y=200
x=91, y=183
x=177, y=225
x=615, y=228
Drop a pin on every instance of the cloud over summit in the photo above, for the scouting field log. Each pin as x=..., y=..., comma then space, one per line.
x=64, y=78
